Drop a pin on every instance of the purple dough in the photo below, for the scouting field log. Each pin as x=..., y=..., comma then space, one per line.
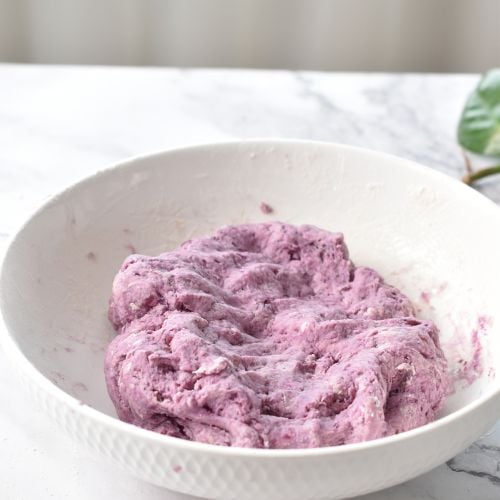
x=268, y=336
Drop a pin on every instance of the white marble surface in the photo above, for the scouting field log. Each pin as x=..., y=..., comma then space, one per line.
x=58, y=124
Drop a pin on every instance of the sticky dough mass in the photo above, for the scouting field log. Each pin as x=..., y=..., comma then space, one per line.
x=267, y=335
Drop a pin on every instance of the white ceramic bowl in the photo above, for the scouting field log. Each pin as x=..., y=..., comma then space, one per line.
x=436, y=239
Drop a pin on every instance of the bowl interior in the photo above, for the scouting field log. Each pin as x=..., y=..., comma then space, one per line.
x=432, y=237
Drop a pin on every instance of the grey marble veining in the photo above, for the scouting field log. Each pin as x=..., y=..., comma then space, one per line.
x=58, y=124
x=479, y=460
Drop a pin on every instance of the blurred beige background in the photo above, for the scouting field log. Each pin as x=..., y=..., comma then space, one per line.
x=384, y=35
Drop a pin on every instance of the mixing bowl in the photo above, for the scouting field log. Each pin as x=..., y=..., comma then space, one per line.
x=434, y=238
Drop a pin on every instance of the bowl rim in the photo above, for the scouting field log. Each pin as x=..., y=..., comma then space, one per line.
x=16, y=355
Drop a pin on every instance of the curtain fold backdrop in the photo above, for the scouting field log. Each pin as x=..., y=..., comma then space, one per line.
x=384, y=35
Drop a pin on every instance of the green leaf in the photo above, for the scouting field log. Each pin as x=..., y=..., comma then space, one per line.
x=479, y=127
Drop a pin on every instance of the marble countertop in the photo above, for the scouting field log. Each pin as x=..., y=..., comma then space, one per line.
x=58, y=124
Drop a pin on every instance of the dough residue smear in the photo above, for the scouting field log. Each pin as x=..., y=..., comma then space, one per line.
x=470, y=369
x=265, y=208
x=268, y=336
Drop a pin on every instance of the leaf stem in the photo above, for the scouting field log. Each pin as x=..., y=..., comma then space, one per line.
x=471, y=177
